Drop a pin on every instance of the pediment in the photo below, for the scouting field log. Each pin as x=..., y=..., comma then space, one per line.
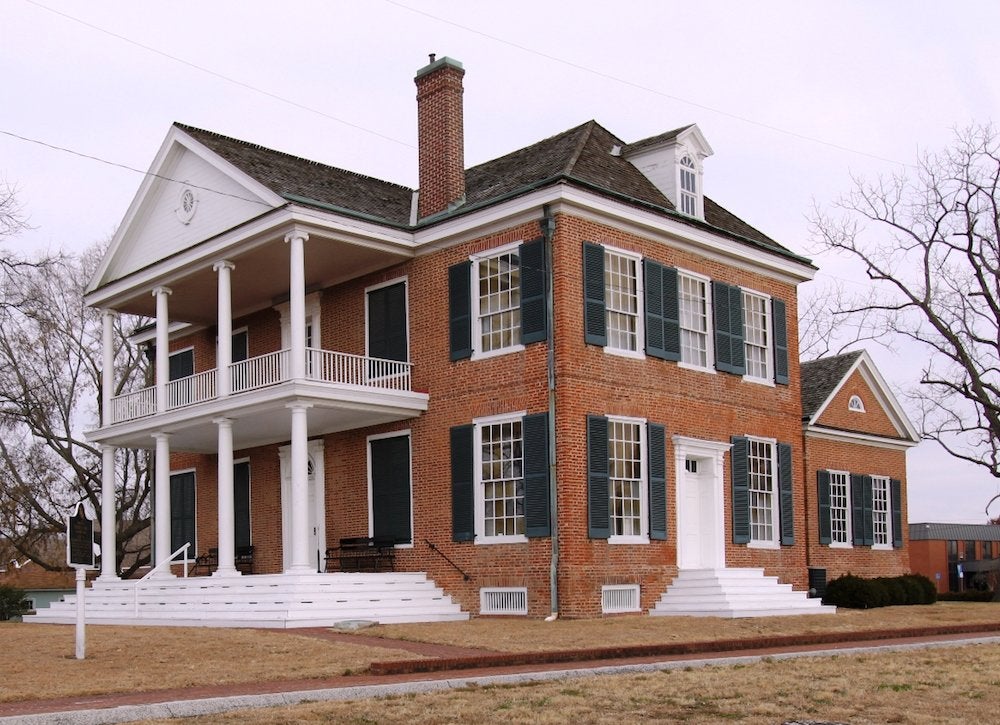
x=189, y=194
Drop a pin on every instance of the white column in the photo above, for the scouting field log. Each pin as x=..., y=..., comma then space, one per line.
x=162, y=347
x=297, y=302
x=299, y=563
x=109, y=557
x=224, y=351
x=227, y=506
x=108, y=363
x=161, y=513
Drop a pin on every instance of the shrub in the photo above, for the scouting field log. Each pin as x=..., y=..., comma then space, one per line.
x=11, y=599
x=969, y=595
x=928, y=590
x=894, y=590
x=854, y=592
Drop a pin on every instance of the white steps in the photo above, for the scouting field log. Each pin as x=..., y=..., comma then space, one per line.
x=269, y=600
x=733, y=593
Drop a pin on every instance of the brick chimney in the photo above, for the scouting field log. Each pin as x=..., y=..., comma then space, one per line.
x=441, y=138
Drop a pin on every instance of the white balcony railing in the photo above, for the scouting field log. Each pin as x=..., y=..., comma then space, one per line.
x=336, y=368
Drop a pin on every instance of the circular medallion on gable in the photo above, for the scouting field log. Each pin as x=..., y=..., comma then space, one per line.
x=188, y=205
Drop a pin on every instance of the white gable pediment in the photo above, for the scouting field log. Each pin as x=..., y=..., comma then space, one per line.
x=189, y=194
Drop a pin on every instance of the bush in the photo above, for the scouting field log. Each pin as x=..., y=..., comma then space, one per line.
x=969, y=595
x=927, y=588
x=854, y=592
x=11, y=599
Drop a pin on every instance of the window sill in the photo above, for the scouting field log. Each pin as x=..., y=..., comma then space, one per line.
x=487, y=540
x=634, y=354
x=628, y=539
x=882, y=547
x=841, y=545
x=476, y=355
x=773, y=545
x=767, y=382
x=697, y=368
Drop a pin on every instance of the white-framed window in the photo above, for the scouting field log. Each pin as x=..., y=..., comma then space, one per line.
x=499, y=448
x=496, y=280
x=695, y=320
x=762, y=486
x=840, y=508
x=688, y=187
x=757, y=337
x=855, y=404
x=627, y=480
x=623, y=302
x=881, y=522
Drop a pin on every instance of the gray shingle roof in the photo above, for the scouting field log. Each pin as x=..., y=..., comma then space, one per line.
x=820, y=378
x=955, y=532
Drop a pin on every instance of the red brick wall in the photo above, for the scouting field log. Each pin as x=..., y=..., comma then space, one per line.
x=930, y=558
x=874, y=420
x=441, y=144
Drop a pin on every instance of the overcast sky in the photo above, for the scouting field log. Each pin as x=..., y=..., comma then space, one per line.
x=794, y=97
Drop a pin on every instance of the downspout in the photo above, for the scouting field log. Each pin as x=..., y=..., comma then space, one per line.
x=548, y=232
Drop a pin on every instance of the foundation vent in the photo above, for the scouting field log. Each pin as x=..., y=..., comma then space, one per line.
x=503, y=600
x=616, y=598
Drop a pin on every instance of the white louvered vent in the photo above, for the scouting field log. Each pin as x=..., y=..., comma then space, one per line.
x=503, y=600
x=617, y=598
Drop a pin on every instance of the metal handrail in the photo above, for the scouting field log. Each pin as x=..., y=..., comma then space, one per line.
x=444, y=556
x=165, y=562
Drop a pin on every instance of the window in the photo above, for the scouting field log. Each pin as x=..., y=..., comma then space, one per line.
x=241, y=504
x=182, y=513
x=840, y=508
x=689, y=187
x=621, y=299
x=625, y=477
x=970, y=550
x=952, y=551
x=855, y=404
x=756, y=336
x=501, y=479
x=882, y=535
x=987, y=549
x=761, y=486
x=498, y=320
x=695, y=321
x=387, y=335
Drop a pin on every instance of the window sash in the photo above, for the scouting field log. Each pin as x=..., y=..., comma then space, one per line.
x=625, y=477
x=621, y=300
x=880, y=511
x=689, y=188
x=840, y=508
x=762, y=489
x=694, y=321
x=756, y=336
x=499, y=293
x=502, y=479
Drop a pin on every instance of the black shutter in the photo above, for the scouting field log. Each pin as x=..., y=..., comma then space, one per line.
x=857, y=510
x=657, y=481
x=896, y=492
x=181, y=365
x=738, y=354
x=460, y=310
x=867, y=497
x=241, y=348
x=597, y=477
x=663, y=332
x=390, y=471
x=741, y=490
x=182, y=513
x=779, y=323
x=594, y=314
x=462, y=478
x=786, y=499
x=533, y=283
x=387, y=323
x=823, y=496
x=727, y=308
x=241, y=503
x=535, y=431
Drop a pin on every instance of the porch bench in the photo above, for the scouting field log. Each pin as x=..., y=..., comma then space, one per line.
x=207, y=563
x=362, y=553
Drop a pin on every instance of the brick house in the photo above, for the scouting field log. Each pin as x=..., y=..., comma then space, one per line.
x=956, y=556
x=564, y=381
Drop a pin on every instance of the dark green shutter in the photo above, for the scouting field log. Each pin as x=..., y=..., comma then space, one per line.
x=535, y=431
x=663, y=332
x=896, y=492
x=823, y=496
x=597, y=477
x=241, y=503
x=460, y=310
x=241, y=349
x=779, y=323
x=869, y=505
x=389, y=459
x=786, y=499
x=387, y=323
x=594, y=314
x=861, y=510
x=657, y=481
x=182, y=513
x=741, y=490
x=180, y=365
x=462, y=479
x=533, y=284
x=727, y=309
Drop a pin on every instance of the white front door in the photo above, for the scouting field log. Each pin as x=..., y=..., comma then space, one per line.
x=317, y=505
x=700, y=513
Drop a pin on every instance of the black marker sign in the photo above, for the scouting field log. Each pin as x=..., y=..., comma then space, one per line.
x=80, y=539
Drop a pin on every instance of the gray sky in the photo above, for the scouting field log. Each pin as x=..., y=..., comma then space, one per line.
x=793, y=97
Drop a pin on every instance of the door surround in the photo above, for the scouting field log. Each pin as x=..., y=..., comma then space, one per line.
x=700, y=503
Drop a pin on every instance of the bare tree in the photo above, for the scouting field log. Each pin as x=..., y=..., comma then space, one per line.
x=928, y=241
x=50, y=391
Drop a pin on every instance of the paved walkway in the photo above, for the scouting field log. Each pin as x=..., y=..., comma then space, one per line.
x=191, y=701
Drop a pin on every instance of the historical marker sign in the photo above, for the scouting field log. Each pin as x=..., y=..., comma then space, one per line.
x=80, y=540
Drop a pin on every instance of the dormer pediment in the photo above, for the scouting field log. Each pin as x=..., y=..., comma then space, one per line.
x=673, y=162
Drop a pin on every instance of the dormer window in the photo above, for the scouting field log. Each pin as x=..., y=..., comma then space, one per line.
x=855, y=404
x=689, y=187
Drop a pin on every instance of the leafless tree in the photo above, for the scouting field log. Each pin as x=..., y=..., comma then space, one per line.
x=928, y=241
x=50, y=391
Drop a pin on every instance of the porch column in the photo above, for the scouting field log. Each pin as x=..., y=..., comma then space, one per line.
x=227, y=508
x=162, y=347
x=108, y=363
x=161, y=513
x=109, y=556
x=299, y=562
x=224, y=348
x=297, y=302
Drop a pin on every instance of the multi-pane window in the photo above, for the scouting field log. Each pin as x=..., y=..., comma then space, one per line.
x=756, y=336
x=881, y=529
x=987, y=549
x=762, y=489
x=502, y=478
x=952, y=549
x=625, y=477
x=621, y=299
x=689, y=187
x=694, y=320
x=970, y=550
x=499, y=317
x=840, y=508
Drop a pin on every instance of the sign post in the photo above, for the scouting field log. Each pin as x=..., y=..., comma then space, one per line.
x=80, y=556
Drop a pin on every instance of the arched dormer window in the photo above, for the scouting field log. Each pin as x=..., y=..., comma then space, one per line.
x=689, y=187
x=856, y=404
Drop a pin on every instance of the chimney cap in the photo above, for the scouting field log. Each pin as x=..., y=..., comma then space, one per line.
x=434, y=64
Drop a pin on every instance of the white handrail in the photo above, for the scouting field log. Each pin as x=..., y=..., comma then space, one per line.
x=165, y=562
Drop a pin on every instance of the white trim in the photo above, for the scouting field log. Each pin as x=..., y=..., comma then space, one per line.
x=643, y=536
x=852, y=437
x=313, y=313
x=315, y=450
x=479, y=507
x=475, y=300
x=714, y=452
x=405, y=280
x=640, y=307
x=709, y=321
x=371, y=492
x=775, y=541
x=849, y=526
x=768, y=380
x=856, y=405
x=886, y=482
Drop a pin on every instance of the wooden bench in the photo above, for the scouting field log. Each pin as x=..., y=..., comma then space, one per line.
x=207, y=563
x=362, y=553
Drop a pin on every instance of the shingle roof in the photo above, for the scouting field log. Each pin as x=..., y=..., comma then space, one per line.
x=820, y=378
x=955, y=532
x=654, y=140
